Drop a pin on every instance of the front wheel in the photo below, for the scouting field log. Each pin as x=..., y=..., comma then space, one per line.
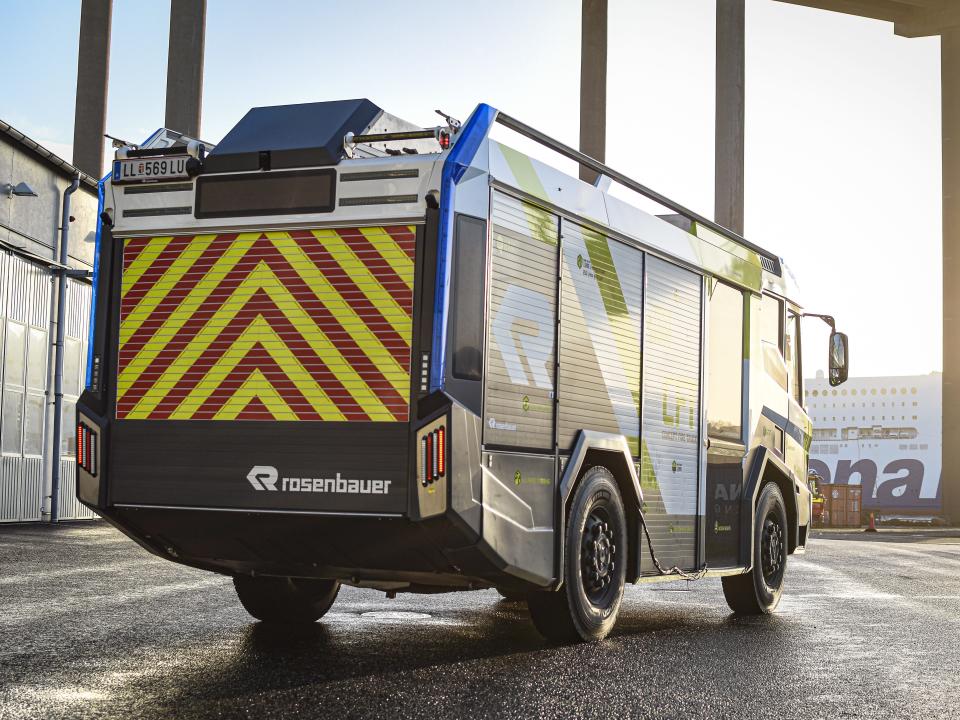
x=585, y=608
x=284, y=600
x=758, y=591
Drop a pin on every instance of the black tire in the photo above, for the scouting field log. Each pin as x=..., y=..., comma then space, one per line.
x=512, y=595
x=758, y=591
x=586, y=606
x=285, y=601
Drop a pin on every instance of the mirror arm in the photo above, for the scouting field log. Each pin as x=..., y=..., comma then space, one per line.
x=828, y=319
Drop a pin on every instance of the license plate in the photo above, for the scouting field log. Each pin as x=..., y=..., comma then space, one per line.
x=172, y=167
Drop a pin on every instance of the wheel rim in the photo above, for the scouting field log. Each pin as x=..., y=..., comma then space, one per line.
x=597, y=552
x=773, y=554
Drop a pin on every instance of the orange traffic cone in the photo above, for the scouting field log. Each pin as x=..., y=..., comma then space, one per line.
x=872, y=527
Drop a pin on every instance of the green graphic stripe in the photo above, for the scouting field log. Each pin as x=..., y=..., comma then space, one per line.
x=615, y=305
x=543, y=225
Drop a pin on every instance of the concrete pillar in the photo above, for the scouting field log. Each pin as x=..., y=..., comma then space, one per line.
x=593, y=83
x=728, y=168
x=185, y=65
x=93, y=72
x=950, y=91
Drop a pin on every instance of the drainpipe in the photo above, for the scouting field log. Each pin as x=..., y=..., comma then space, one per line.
x=58, y=349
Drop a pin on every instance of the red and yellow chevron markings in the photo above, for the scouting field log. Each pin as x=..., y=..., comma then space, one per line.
x=298, y=325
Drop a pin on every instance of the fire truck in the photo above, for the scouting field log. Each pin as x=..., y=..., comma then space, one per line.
x=341, y=348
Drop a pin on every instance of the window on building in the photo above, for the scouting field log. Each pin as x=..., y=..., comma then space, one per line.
x=13, y=377
x=33, y=425
x=725, y=363
x=12, y=429
x=71, y=366
x=68, y=442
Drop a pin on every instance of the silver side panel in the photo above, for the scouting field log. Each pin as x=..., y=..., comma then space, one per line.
x=671, y=411
x=518, y=503
x=520, y=365
x=466, y=481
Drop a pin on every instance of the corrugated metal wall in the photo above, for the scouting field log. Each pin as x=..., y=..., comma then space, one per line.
x=23, y=409
x=26, y=409
x=77, y=321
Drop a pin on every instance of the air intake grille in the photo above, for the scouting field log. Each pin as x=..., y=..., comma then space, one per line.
x=769, y=264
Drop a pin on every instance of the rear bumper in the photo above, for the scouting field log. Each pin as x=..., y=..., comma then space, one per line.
x=229, y=497
x=388, y=552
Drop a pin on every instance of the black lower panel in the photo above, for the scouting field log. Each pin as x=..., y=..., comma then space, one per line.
x=724, y=490
x=347, y=466
x=284, y=544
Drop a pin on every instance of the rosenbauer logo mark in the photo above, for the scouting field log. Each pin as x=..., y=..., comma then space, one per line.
x=265, y=477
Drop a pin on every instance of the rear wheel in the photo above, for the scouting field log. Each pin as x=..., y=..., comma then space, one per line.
x=758, y=592
x=595, y=546
x=284, y=600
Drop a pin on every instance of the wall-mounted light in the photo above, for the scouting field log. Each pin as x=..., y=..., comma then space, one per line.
x=18, y=190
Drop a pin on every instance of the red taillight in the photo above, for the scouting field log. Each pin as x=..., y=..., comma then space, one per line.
x=430, y=457
x=433, y=455
x=86, y=448
x=441, y=451
x=444, y=138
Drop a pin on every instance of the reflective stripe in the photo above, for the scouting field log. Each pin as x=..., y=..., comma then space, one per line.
x=308, y=325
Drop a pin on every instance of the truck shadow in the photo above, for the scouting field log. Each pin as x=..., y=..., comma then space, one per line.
x=272, y=664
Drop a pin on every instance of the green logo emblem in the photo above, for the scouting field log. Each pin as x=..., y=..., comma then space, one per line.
x=526, y=403
x=517, y=477
x=580, y=262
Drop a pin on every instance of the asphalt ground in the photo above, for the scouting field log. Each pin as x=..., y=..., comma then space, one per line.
x=91, y=626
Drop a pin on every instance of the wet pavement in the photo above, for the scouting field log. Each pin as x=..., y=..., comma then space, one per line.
x=91, y=626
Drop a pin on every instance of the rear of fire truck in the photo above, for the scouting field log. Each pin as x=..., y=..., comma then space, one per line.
x=257, y=402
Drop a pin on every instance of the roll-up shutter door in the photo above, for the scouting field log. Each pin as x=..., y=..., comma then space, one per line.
x=600, y=335
x=671, y=411
x=521, y=359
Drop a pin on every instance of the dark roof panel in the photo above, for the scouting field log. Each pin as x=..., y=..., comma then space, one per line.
x=304, y=135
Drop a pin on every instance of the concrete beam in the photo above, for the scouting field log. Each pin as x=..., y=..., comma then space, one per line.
x=924, y=23
x=185, y=65
x=950, y=89
x=911, y=18
x=593, y=83
x=889, y=10
x=93, y=74
x=729, y=149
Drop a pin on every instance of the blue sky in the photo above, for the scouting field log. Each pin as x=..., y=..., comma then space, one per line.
x=843, y=123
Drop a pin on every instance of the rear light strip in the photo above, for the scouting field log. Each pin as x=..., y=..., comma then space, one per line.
x=433, y=456
x=87, y=448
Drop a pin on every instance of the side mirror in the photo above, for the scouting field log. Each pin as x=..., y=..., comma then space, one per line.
x=839, y=358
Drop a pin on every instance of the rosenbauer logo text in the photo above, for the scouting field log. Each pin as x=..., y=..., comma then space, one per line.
x=265, y=477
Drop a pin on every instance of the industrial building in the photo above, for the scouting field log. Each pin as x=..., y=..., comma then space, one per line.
x=37, y=482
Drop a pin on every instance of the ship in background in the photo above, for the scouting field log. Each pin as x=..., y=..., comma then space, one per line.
x=883, y=433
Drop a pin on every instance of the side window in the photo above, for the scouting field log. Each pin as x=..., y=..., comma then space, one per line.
x=791, y=353
x=469, y=269
x=725, y=363
x=13, y=390
x=771, y=321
